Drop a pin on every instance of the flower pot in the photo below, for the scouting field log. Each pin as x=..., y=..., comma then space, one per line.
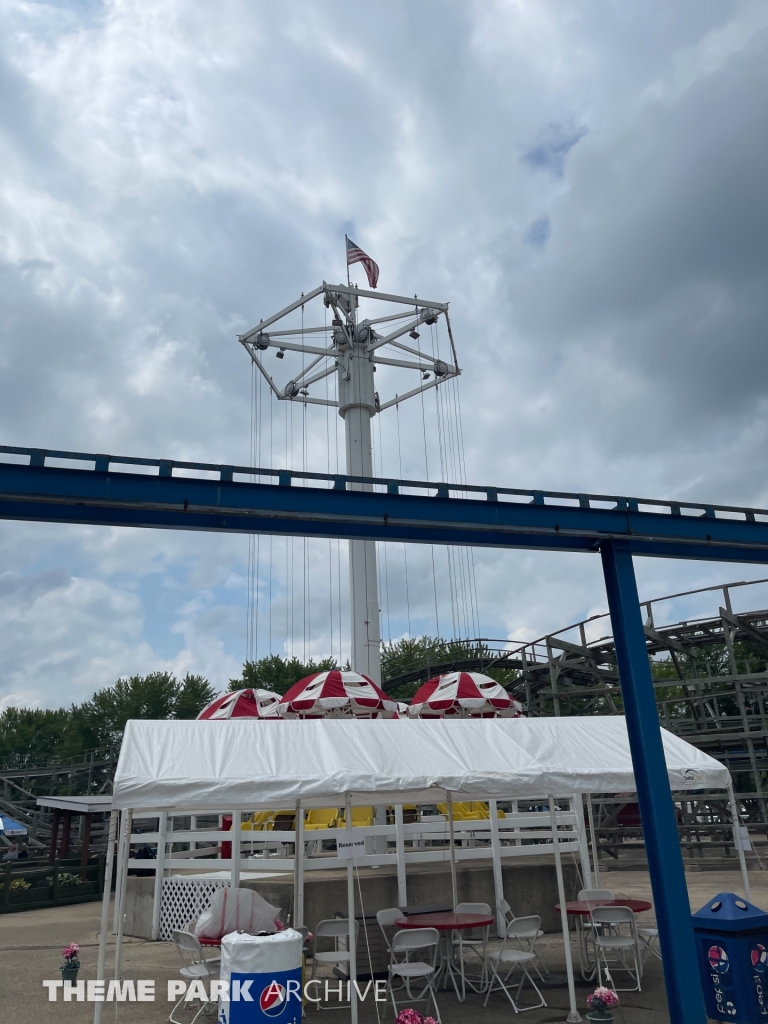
x=69, y=973
x=600, y=1015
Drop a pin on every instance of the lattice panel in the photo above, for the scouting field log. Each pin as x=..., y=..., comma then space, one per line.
x=184, y=900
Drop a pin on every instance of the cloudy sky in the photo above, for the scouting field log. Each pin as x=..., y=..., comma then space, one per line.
x=584, y=183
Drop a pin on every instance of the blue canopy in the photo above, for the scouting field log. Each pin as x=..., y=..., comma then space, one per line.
x=11, y=827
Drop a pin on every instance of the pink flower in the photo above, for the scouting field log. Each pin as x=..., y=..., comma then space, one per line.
x=71, y=951
x=602, y=998
x=411, y=1017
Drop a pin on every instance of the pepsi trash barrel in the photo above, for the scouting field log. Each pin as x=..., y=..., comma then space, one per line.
x=732, y=950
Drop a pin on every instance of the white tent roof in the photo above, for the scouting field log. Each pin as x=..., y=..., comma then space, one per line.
x=244, y=764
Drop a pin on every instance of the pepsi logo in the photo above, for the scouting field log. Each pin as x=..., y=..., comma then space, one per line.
x=272, y=999
x=759, y=958
x=718, y=959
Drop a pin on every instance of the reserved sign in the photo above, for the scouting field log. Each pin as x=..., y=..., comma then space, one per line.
x=348, y=849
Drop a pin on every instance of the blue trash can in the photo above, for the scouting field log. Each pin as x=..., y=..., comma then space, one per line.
x=732, y=949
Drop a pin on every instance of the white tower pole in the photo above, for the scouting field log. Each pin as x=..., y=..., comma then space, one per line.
x=352, y=352
x=357, y=405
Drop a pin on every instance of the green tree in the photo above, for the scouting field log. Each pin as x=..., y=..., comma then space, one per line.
x=429, y=655
x=33, y=734
x=278, y=674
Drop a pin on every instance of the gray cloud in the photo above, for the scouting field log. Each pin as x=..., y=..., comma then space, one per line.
x=169, y=175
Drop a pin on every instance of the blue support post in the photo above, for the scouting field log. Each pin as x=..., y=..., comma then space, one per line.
x=665, y=861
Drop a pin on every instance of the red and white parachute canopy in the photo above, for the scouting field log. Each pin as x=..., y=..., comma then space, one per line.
x=248, y=703
x=336, y=694
x=463, y=695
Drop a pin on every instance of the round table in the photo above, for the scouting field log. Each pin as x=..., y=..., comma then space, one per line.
x=445, y=921
x=448, y=922
x=581, y=909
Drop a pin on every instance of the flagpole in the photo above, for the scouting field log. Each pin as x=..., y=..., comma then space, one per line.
x=346, y=257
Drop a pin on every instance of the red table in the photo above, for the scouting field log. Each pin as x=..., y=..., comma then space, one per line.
x=581, y=909
x=445, y=921
x=448, y=922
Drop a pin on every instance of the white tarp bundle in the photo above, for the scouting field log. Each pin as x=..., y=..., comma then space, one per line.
x=243, y=764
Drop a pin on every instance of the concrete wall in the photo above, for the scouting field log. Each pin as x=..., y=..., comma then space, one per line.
x=530, y=886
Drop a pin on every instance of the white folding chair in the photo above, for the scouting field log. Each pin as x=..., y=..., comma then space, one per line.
x=614, y=931
x=195, y=967
x=587, y=937
x=525, y=942
x=647, y=937
x=595, y=894
x=336, y=928
x=464, y=942
x=512, y=957
x=407, y=942
x=386, y=921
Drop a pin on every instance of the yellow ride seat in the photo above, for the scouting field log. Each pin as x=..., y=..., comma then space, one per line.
x=258, y=822
x=361, y=816
x=323, y=817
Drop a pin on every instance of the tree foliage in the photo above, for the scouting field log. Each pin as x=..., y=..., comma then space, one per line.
x=427, y=654
x=32, y=734
x=278, y=674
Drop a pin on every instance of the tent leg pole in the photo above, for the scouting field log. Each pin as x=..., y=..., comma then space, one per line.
x=121, y=889
x=298, y=866
x=737, y=839
x=657, y=812
x=105, y=909
x=578, y=808
x=573, y=1015
x=162, y=826
x=595, y=858
x=498, y=881
x=351, y=918
x=120, y=855
x=454, y=886
x=402, y=890
x=237, y=835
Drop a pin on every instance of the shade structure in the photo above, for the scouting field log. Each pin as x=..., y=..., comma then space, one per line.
x=202, y=766
x=463, y=695
x=336, y=694
x=11, y=827
x=248, y=703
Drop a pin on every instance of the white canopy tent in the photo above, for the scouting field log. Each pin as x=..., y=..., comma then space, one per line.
x=197, y=767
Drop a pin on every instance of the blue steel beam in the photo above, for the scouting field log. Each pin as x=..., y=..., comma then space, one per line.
x=299, y=504
x=662, y=846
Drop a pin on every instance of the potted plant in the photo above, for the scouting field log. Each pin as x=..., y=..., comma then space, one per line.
x=600, y=1003
x=71, y=964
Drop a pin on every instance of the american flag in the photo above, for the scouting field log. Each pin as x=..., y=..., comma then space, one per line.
x=356, y=255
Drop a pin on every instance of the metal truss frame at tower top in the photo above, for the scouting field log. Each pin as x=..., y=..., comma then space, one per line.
x=345, y=332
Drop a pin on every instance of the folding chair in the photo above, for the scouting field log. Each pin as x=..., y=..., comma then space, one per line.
x=525, y=942
x=386, y=921
x=647, y=937
x=615, y=931
x=336, y=928
x=512, y=957
x=469, y=942
x=595, y=894
x=195, y=967
x=404, y=943
x=587, y=937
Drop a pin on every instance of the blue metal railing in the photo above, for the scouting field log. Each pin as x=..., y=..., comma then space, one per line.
x=286, y=477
